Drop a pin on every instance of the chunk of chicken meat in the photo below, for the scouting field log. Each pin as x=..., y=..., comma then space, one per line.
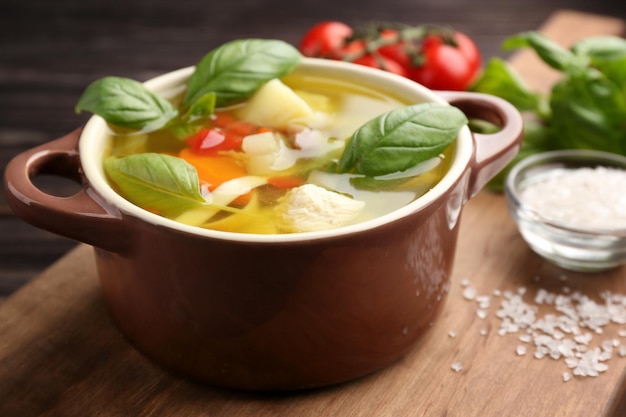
x=310, y=208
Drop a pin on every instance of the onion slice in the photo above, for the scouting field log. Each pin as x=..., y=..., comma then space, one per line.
x=221, y=197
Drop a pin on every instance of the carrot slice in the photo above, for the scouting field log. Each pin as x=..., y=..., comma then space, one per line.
x=215, y=170
x=286, y=181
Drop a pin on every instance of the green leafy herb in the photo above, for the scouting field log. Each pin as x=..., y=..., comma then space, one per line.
x=165, y=184
x=589, y=112
x=126, y=103
x=202, y=108
x=374, y=184
x=550, y=52
x=194, y=119
x=237, y=69
x=226, y=75
x=500, y=80
x=585, y=108
x=401, y=138
x=607, y=54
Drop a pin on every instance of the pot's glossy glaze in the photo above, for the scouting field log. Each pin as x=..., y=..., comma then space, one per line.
x=277, y=312
x=281, y=316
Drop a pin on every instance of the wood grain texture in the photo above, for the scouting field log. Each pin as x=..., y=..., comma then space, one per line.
x=61, y=356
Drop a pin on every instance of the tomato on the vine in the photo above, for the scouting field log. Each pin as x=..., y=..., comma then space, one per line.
x=397, y=50
x=381, y=62
x=325, y=39
x=448, y=67
x=437, y=58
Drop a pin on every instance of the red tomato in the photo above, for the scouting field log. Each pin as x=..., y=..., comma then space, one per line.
x=325, y=39
x=226, y=133
x=242, y=128
x=209, y=141
x=448, y=67
x=396, y=51
x=428, y=61
x=348, y=51
x=382, y=62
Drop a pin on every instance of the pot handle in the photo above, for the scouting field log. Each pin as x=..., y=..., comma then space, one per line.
x=84, y=216
x=492, y=151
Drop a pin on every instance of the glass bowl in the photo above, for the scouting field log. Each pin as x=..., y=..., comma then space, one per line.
x=570, y=207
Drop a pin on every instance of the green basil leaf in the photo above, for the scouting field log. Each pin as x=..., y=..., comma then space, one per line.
x=500, y=79
x=235, y=70
x=589, y=112
x=483, y=126
x=607, y=54
x=184, y=130
x=158, y=182
x=126, y=103
x=550, y=52
x=375, y=184
x=602, y=48
x=202, y=108
x=192, y=121
x=397, y=140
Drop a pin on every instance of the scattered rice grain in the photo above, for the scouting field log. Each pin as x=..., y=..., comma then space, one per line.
x=469, y=293
x=566, y=333
x=483, y=301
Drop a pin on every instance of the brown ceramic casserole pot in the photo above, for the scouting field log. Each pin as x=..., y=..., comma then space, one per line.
x=269, y=312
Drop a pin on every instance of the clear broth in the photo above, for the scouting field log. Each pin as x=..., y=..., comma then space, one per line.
x=350, y=106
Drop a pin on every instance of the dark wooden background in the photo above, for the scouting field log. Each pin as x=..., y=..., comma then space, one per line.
x=50, y=51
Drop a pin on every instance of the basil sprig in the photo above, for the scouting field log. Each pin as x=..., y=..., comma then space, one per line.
x=167, y=184
x=400, y=139
x=584, y=109
x=229, y=74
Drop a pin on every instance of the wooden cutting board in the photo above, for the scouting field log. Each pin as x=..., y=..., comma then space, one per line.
x=60, y=354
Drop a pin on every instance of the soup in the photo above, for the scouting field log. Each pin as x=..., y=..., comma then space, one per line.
x=265, y=165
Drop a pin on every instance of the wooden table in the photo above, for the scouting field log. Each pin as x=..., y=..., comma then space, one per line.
x=61, y=356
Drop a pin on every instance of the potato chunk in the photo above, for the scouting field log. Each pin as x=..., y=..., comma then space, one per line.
x=310, y=208
x=276, y=106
